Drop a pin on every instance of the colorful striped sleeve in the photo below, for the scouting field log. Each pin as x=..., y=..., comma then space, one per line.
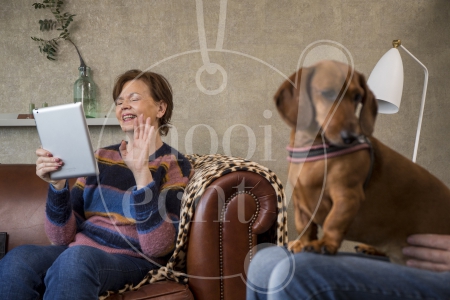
x=64, y=209
x=157, y=206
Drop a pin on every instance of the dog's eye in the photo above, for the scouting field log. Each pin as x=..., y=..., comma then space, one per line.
x=357, y=98
x=330, y=94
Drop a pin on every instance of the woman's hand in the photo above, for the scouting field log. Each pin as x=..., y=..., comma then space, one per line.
x=137, y=151
x=45, y=164
x=429, y=252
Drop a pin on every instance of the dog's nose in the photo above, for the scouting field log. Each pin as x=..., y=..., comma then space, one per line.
x=348, y=137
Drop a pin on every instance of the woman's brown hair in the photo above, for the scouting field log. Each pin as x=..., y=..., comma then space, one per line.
x=160, y=90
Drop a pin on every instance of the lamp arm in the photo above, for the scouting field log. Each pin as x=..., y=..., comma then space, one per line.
x=422, y=104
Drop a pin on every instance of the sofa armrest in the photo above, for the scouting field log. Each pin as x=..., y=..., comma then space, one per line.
x=235, y=210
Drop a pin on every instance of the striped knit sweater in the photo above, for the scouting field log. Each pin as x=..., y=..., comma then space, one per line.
x=112, y=215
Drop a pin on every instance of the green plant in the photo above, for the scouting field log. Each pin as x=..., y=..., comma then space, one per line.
x=60, y=22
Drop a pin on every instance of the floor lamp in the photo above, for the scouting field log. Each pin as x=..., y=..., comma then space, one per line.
x=386, y=82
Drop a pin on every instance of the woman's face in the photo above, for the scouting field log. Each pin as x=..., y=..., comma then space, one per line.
x=134, y=100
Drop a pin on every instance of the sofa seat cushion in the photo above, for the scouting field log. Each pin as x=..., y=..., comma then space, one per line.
x=159, y=290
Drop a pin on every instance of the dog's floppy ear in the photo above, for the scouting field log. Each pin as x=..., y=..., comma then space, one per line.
x=369, y=109
x=293, y=102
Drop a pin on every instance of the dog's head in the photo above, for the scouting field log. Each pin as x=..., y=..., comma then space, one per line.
x=325, y=97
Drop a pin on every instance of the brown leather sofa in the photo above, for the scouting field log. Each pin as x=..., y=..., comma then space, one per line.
x=216, y=253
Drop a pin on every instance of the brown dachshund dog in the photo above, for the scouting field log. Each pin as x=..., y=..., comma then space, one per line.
x=371, y=195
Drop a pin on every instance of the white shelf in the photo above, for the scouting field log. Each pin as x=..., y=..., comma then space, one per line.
x=10, y=120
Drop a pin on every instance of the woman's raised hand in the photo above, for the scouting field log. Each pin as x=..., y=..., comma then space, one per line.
x=45, y=164
x=429, y=252
x=136, y=153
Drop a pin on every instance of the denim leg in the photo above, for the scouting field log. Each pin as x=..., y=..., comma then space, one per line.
x=23, y=269
x=356, y=277
x=83, y=272
x=260, y=269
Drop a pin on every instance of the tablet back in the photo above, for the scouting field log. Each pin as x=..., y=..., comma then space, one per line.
x=63, y=131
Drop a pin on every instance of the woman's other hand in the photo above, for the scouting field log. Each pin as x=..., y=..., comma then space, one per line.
x=429, y=252
x=136, y=153
x=45, y=164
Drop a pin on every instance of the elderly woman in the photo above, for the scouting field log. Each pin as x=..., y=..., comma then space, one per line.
x=110, y=230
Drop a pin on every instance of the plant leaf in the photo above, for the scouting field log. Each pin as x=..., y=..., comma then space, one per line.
x=61, y=22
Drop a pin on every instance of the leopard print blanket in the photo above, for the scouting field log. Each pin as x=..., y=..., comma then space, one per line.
x=207, y=169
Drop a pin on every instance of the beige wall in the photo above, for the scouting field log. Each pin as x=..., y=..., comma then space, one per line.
x=262, y=43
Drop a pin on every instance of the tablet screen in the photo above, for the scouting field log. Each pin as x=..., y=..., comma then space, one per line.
x=63, y=131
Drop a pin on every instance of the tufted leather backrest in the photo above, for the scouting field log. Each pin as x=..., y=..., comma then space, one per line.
x=22, y=205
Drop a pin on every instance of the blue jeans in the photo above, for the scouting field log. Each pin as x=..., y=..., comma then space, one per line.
x=59, y=272
x=274, y=273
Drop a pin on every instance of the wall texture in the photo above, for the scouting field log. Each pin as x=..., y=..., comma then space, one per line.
x=259, y=43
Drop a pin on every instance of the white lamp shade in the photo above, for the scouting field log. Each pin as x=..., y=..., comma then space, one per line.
x=386, y=82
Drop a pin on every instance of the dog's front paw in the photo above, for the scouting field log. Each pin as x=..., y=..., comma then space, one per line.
x=320, y=247
x=295, y=246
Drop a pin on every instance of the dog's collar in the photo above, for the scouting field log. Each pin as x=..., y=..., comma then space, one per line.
x=322, y=151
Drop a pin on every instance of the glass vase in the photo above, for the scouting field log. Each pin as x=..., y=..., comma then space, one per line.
x=84, y=91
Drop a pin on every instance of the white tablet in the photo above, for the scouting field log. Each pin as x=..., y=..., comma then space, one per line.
x=63, y=131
